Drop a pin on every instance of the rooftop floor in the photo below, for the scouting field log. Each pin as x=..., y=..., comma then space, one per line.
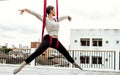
x=44, y=70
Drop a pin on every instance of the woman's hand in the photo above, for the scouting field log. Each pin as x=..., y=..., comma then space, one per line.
x=69, y=18
x=24, y=10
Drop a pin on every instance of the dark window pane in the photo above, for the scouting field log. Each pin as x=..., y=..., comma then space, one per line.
x=87, y=60
x=100, y=43
x=84, y=59
x=94, y=60
x=88, y=43
x=94, y=43
x=85, y=41
x=97, y=42
x=100, y=60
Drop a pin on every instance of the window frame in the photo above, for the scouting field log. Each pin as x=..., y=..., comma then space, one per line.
x=96, y=60
x=84, y=41
x=97, y=42
x=84, y=59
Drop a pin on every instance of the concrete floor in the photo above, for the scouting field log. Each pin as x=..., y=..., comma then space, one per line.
x=43, y=70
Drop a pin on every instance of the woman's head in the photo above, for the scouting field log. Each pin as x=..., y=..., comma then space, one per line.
x=50, y=10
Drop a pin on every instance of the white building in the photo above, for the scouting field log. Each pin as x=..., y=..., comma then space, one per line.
x=96, y=48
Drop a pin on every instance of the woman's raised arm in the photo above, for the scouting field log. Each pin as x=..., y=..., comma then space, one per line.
x=64, y=17
x=31, y=12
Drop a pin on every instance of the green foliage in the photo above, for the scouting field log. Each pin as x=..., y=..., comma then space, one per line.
x=5, y=50
x=4, y=47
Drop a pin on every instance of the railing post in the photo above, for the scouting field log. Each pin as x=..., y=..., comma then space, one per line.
x=117, y=60
x=70, y=64
x=33, y=62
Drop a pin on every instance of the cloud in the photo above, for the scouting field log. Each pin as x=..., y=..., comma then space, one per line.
x=17, y=31
x=5, y=28
x=97, y=14
x=95, y=9
x=85, y=13
x=27, y=30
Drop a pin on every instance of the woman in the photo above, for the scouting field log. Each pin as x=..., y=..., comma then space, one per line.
x=50, y=40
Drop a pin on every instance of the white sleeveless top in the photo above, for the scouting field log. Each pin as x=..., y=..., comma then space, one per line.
x=52, y=26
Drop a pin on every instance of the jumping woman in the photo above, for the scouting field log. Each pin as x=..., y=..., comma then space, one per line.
x=49, y=40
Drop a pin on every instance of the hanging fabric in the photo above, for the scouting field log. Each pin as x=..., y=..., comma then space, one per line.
x=44, y=15
x=57, y=9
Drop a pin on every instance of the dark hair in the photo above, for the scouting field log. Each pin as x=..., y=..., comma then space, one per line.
x=48, y=9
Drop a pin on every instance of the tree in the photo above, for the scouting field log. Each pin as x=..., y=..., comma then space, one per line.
x=5, y=50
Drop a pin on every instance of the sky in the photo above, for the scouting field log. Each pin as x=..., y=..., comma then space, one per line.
x=86, y=14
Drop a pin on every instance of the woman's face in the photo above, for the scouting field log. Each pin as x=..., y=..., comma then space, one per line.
x=53, y=12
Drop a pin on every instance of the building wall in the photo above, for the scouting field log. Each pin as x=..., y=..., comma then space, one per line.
x=35, y=44
x=110, y=45
x=112, y=36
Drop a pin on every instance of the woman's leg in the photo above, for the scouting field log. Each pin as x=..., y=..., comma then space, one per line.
x=43, y=46
x=62, y=50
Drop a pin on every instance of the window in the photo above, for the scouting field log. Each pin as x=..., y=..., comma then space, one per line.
x=43, y=54
x=85, y=41
x=97, y=42
x=84, y=59
x=96, y=60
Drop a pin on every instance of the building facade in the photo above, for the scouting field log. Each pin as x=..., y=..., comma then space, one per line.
x=96, y=48
x=95, y=39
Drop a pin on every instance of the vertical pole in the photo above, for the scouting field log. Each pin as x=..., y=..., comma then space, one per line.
x=117, y=60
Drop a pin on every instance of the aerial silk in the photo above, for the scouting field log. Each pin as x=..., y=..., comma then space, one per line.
x=44, y=15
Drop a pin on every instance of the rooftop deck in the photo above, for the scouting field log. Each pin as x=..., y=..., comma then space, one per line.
x=45, y=70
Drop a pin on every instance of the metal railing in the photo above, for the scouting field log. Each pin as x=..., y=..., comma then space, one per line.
x=95, y=59
x=14, y=56
x=86, y=59
x=52, y=58
x=119, y=60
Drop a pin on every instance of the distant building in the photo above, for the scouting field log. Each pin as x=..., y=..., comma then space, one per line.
x=13, y=46
x=6, y=44
x=20, y=46
x=35, y=44
x=16, y=54
x=95, y=47
x=3, y=58
x=0, y=46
